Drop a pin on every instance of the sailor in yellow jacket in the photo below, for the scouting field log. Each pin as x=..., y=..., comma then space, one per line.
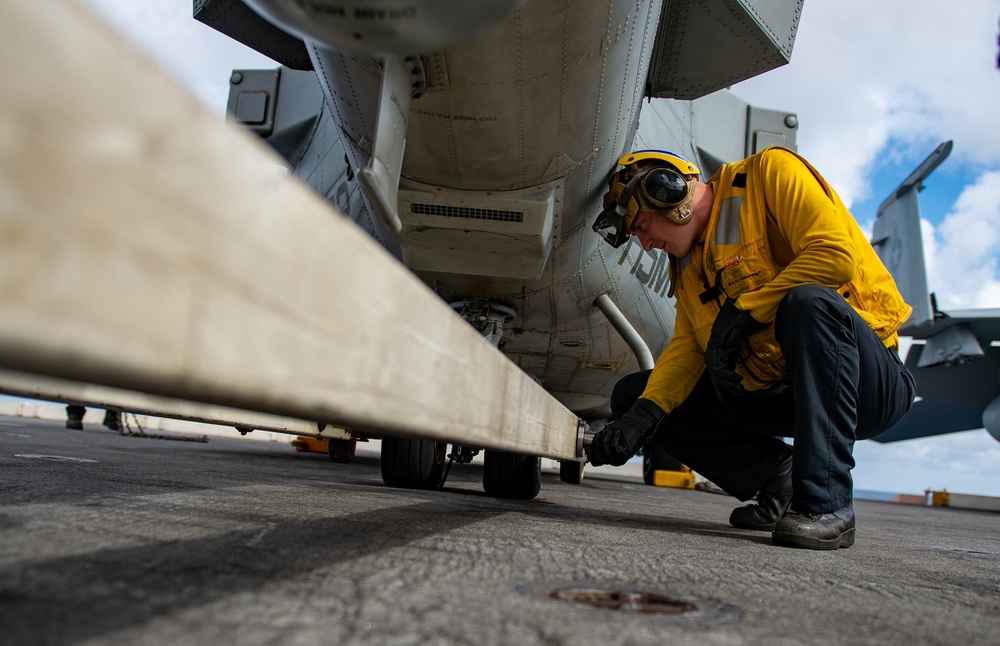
x=786, y=326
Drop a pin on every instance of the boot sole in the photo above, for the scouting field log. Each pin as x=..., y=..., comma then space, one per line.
x=845, y=539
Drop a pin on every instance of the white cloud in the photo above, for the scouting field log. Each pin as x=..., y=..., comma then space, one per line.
x=906, y=71
x=959, y=462
x=195, y=54
x=962, y=252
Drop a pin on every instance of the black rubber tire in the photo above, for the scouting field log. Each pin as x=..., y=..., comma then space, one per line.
x=656, y=459
x=342, y=451
x=412, y=464
x=512, y=475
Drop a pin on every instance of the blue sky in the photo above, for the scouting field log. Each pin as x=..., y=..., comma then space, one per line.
x=876, y=86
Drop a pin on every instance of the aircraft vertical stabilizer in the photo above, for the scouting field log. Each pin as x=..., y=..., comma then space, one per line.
x=953, y=359
x=896, y=237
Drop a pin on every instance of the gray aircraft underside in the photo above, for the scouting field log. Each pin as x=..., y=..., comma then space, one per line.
x=509, y=141
x=495, y=163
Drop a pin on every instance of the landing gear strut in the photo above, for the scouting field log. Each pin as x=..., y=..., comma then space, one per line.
x=342, y=451
x=505, y=475
x=421, y=464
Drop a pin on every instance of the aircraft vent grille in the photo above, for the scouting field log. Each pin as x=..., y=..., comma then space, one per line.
x=467, y=212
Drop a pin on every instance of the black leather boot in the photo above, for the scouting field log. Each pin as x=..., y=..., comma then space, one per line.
x=816, y=531
x=771, y=502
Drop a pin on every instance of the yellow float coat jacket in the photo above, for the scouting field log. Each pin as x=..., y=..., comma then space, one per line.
x=775, y=224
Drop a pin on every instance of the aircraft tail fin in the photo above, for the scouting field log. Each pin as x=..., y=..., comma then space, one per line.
x=897, y=239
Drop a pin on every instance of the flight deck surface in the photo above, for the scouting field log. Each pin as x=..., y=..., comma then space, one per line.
x=113, y=539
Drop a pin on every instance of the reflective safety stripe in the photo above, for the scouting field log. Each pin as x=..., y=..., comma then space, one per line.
x=727, y=229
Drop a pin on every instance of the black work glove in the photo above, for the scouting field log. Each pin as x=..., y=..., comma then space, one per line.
x=731, y=328
x=620, y=439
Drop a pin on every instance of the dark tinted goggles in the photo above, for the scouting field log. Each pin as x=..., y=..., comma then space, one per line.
x=663, y=188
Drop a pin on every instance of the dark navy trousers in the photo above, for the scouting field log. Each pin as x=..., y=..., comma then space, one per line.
x=843, y=385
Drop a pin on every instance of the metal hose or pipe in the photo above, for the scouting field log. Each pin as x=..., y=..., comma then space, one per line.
x=625, y=329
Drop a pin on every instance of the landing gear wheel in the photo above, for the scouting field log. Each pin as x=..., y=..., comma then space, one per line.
x=411, y=463
x=571, y=471
x=656, y=459
x=512, y=475
x=342, y=451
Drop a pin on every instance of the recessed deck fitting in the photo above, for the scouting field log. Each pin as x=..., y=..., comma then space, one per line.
x=627, y=598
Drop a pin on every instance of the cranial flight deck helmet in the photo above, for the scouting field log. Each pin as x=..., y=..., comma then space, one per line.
x=654, y=179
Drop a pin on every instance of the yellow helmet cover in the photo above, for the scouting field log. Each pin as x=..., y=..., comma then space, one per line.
x=665, y=185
